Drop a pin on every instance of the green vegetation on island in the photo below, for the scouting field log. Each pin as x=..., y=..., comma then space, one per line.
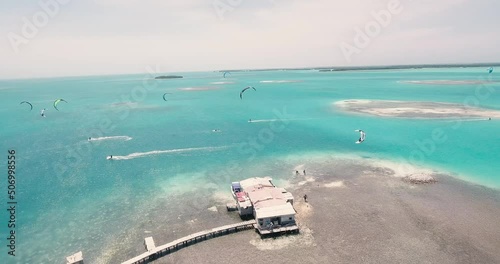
x=168, y=77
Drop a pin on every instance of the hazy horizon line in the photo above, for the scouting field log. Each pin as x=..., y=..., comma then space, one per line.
x=333, y=68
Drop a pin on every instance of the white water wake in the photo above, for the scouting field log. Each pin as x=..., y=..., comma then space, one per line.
x=168, y=151
x=264, y=120
x=280, y=81
x=221, y=82
x=278, y=120
x=126, y=138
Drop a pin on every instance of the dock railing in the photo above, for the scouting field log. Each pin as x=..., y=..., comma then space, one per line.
x=186, y=241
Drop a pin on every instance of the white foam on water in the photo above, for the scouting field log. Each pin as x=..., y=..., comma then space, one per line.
x=304, y=239
x=335, y=184
x=168, y=151
x=126, y=138
x=221, y=82
x=213, y=209
x=277, y=120
x=280, y=81
x=299, y=167
x=307, y=180
x=264, y=120
x=198, y=88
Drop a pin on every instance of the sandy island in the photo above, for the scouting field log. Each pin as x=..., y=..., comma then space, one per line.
x=415, y=109
x=359, y=210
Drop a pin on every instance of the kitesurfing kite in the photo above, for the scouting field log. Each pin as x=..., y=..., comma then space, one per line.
x=362, y=136
x=242, y=91
x=56, y=102
x=26, y=102
x=164, y=96
x=224, y=75
x=490, y=69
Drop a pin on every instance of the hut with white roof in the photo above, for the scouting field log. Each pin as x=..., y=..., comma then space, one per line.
x=271, y=207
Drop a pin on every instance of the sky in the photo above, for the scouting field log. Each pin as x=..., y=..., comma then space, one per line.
x=46, y=38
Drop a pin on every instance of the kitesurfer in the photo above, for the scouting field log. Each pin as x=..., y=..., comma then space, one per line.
x=362, y=136
x=42, y=113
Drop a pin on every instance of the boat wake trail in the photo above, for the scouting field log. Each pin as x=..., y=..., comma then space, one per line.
x=278, y=120
x=280, y=81
x=264, y=120
x=168, y=151
x=126, y=138
x=221, y=82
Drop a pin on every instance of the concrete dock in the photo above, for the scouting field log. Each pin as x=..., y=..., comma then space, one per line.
x=149, y=244
x=163, y=250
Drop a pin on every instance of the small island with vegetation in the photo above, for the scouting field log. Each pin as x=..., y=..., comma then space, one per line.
x=168, y=77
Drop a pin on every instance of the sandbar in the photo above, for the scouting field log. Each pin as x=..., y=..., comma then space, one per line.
x=413, y=109
x=450, y=82
x=375, y=217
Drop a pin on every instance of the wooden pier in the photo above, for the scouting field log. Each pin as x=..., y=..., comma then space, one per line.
x=163, y=250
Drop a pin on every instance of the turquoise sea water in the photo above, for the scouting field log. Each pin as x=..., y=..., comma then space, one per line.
x=71, y=198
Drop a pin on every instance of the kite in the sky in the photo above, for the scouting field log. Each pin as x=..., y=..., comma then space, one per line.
x=56, y=102
x=242, y=91
x=26, y=102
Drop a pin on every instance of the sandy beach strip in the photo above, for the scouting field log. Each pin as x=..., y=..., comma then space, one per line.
x=360, y=211
x=413, y=109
